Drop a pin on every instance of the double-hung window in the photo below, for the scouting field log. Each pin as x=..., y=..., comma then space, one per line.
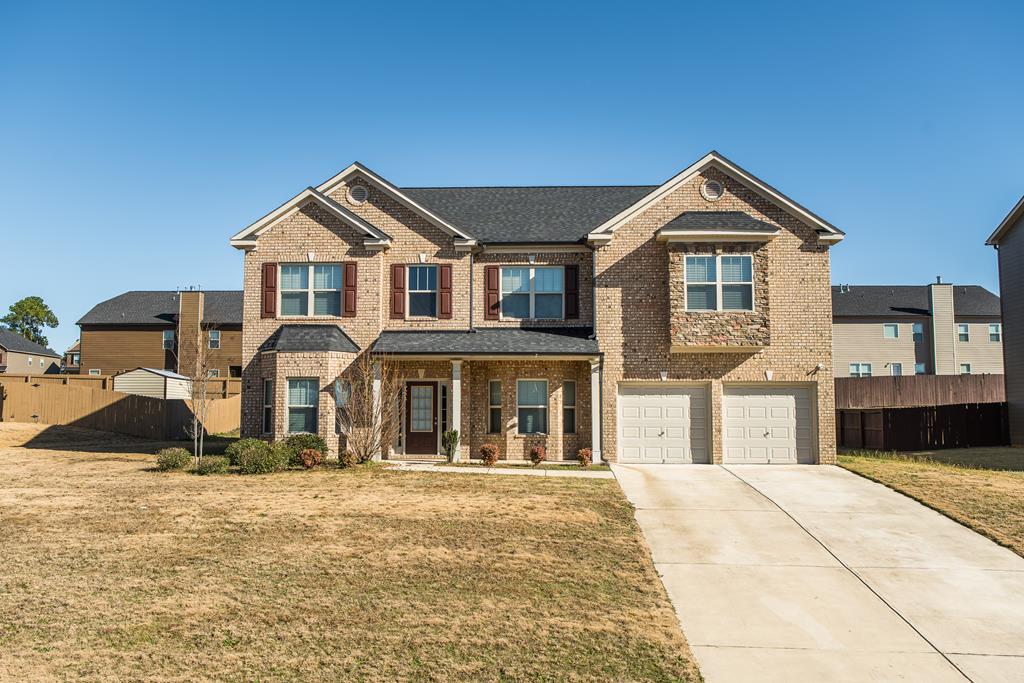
x=719, y=283
x=995, y=332
x=533, y=293
x=964, y=332
x=494, y=406
x=214, y=339
x=268, y=406
x=302, y=405
x=860, y=369
x=965, y=368
x=423, y=291
x=896, y=369
x=168, y=340
x=532, y=406
x=891, y=330
x=569, y=407
x=323, y=298
x=918, y=330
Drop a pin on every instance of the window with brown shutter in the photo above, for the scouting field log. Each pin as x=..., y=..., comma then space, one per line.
x=268, y=308
x=398, y=290
x=492, y=298
x=572, y=291
x=444, y=291
x=348, y=308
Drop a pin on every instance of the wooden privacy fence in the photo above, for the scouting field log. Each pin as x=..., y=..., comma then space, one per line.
x=97, y=408
x=216, y=387
x=918, y=390
x=970, y=425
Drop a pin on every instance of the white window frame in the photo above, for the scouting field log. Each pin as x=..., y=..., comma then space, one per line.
x=532, y=293
x=923, y=366
x=211, y=339
x=310, y=290
x=718, y=285
x=963, y=371
x=164, y=340
x=213, y=373
x=491, y=407
x=545, y=407
x=917, y=332
x=95, y=372
x=963, y=332
x=315, y=405
x=409, y=291
x=995, y=329
x=30, y=360
x=566, y=406
x=76, y=359
x=859, y=372
x=268, y=407
x=895, y=327
x=893, y=367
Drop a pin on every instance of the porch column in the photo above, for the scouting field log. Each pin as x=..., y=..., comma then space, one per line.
x=376, y=406
x=595, y=408
x=456, y=422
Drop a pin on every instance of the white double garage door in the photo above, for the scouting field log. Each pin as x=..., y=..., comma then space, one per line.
x=667, y=423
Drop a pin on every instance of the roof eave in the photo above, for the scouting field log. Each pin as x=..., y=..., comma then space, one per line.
x=1004, y=227
x=664, y=235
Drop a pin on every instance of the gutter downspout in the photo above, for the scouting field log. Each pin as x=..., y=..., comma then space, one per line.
x=472, y=286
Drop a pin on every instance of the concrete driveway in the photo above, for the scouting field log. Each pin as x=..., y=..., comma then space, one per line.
x=812, y=573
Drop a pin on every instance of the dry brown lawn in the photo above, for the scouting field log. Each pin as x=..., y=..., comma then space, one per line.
x=982, y=488
x=109, y=570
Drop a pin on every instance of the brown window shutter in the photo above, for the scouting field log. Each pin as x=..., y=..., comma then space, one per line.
x=268, y=308
x=572, y=291
x=444, y=291
x=397, y=290
x=348, y=307
x=492, y=300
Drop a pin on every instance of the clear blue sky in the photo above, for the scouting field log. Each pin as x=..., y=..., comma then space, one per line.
x=136, y=137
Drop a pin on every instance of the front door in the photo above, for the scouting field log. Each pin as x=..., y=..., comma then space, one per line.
x=421, y=418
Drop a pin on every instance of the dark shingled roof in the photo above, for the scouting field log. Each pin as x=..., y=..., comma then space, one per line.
x=161, y=308
x=719, y=220
x=304, y=338
x=12, y=341
x=490, y=341
x=899, y=300
x=511, y=215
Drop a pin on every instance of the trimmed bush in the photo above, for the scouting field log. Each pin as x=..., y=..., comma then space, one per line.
x=235, y=450
x=538, y=454
x=168, y=459
x=300, y=442
x=348, y=459
x=212, y=464
x=489, y=454
x=585, y=456
x=259, y=461
x=310, y=458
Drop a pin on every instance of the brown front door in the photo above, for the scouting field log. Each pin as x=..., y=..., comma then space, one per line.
x=421, y=418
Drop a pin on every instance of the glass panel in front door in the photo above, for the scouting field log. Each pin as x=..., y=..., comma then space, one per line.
x=422, y=409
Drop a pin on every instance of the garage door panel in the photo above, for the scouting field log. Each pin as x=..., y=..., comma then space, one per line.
x=767, y=425
x=663, y=424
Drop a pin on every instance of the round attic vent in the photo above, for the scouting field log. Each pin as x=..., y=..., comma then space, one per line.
x=357, y=194
x=712, y=190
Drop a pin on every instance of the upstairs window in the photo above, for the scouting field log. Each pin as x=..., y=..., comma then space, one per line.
x=533, y=293
x=964, y=332
x=995, y=332
x=719, y=283
x=919, y=369
x=168, y=340
x=75, y=358
x=423, y=291
x=214, y=339
x=860, y=369
x=918, y=330
x=298, y=298
x=891, y=331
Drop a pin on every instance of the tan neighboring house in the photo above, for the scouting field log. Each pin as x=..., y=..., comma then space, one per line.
x=144, y=329
x=1008, y=240
x=19, y=356
x=937, y=329
x=72, y=359
x=683, y=322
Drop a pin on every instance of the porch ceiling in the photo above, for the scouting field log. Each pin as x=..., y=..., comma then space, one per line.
x=503, y=341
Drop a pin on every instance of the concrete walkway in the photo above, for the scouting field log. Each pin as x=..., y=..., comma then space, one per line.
x=803, y=573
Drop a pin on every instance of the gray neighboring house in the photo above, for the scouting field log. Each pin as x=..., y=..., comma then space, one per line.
x=1008, y=239
x=23, y=357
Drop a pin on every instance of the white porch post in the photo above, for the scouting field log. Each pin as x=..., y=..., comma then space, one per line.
x=457, y=405
x=376, y=406
x=595, y=408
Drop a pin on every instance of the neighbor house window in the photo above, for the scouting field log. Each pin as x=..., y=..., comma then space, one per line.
x=532, y=406
x=860, y=369
x=533, y=293
x=169, y=340
x=214, y=339
x=569, y=407
x=494, y=406
x=268, y=406
x=995, y=332
x=719, y=283
x=30, y=360
x=919, y=369
x=895, y=369
x=76, y=358
x=95, y=371
x=302, y=403
x=918, y=329
x=423, y=291
x=965, y=368
x=891, y=330
x=214, y=373
x=323, y=298
x=964, y=331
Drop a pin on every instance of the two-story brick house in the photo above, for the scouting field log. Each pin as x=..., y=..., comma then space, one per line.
x=683, y=322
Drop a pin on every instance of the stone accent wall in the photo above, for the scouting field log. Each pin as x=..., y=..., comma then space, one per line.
x=695, y=329
x=634, y=325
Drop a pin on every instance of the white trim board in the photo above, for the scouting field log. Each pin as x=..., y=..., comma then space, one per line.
x=1004, y=227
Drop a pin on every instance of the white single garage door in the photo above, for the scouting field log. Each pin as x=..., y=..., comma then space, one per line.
x=663, y=423
x=767, y=425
